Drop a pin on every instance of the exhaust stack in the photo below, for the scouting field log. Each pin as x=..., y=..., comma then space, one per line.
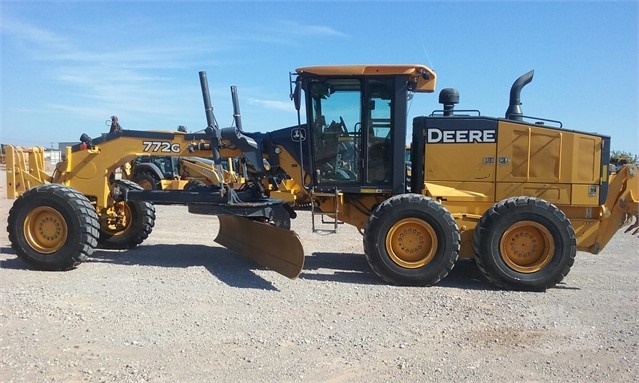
x=514, y=111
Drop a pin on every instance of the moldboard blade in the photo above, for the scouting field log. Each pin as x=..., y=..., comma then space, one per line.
x=278, y=249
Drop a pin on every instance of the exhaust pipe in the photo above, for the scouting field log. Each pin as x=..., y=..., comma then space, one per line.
x=514, y=111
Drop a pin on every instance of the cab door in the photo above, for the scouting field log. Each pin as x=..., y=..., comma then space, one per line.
x=352, y=122
x=378, y=102
x=335, y=118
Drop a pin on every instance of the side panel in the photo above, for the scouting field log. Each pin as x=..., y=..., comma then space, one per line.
x=561, y=166
x=459, y=157
x=462, y=191
x=558, y=194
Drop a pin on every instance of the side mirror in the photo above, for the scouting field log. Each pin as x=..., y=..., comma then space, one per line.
x=297, y=94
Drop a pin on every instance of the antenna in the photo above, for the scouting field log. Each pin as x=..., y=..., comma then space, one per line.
x=430, y=64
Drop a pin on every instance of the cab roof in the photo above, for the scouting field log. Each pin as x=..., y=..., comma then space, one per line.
x=426, y=77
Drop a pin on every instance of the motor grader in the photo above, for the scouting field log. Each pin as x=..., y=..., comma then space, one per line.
x=520, y=195
x=166, y=172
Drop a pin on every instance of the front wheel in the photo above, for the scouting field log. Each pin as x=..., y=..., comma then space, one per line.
x=53, y=227
x=411, y=240
x=126, y=224
x=524, y=243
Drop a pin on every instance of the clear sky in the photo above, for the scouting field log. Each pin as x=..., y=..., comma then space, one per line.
x=67, y=66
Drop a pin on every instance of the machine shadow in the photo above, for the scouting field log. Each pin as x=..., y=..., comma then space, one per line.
x=7, y=250
x=466, y=275
x=237, y=271
x=353, y=268
x=339, y=267
x=13, y=263
x=229, y=268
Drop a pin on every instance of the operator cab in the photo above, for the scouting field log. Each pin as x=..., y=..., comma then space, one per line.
x=357, y=121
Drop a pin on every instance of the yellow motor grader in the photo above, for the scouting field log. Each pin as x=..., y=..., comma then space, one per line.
x=166, y=172
x=518, y=194
x=169, y=172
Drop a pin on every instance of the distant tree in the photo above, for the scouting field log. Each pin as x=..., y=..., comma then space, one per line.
x=618, y=155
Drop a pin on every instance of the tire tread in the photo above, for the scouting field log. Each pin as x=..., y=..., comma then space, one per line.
x=495, y=213
x=80, y=207
x=421, y=203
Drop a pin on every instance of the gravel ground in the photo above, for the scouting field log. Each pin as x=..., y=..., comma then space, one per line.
x=180, y=308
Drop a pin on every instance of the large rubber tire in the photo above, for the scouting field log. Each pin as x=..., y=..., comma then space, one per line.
x=412, y=240
x=137, y=221
x=147, y=181
x=53, y=227
x=524, y=243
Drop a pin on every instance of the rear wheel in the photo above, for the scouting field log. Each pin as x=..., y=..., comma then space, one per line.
x=524, y=243
x=53, y=227
x=147, y=181
x=411, y=240
x=126, y=224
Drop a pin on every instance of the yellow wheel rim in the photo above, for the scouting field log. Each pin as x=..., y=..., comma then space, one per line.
x=411, y=243
x=45, y=230
x=527, y=247
x=118, y=219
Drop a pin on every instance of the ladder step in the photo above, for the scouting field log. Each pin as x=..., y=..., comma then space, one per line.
x=315, y=194
x=336, y=195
